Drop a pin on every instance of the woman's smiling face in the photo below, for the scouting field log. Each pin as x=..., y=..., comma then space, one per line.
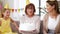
x=30, y=11
x=49, y=7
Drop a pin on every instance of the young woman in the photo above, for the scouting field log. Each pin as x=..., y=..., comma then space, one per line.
x=5, y=22
x=51, y=22
x=30, y=23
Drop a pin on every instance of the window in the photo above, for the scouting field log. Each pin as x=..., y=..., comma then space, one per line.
x=43, y=10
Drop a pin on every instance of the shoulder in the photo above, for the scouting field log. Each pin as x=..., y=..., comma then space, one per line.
x=45, y=19
x=59, y=15
x=36, y=16
x=1, y=19
x=10, y=19
x=22, y=18
x=46, y=15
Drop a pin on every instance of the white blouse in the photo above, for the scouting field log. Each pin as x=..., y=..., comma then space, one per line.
x=29, y=24
x=52, y=23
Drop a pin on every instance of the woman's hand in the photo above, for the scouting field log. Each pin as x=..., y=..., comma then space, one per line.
x=33, y=31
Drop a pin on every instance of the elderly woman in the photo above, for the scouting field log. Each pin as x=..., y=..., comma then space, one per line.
x=30, y=23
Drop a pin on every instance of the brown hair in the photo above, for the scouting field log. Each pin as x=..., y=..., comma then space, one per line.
x=4, y=11
x=31, y=6
x=55, y=3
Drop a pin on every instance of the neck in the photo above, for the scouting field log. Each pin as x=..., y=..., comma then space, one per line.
x=53, y=14
x=5, y=18
x=30, y=16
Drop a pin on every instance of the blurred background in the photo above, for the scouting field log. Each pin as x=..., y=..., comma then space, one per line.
x=17, y=7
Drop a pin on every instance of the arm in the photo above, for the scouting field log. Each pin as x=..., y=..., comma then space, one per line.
x=14, y=23
x=38, y=25
x=45, y=24
x=44, y=30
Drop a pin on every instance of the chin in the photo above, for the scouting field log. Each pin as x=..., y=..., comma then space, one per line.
x=7, y=16
x=48, y=11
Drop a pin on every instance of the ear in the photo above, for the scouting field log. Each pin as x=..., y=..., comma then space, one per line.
x=53, y=6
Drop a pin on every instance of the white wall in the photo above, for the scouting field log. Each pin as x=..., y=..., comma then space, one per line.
x=10, y=2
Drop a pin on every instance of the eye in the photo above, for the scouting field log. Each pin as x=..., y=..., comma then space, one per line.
x=8, y=12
